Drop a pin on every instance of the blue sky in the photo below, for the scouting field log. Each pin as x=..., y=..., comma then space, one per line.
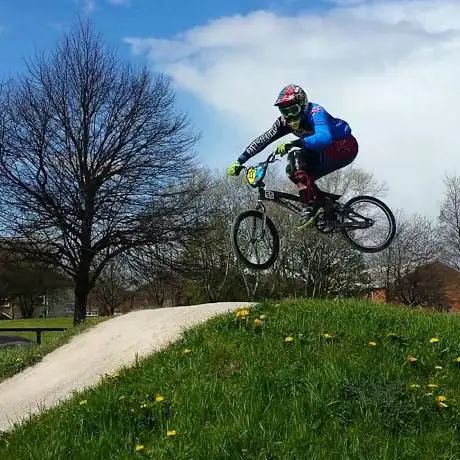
x=45, y=20
x=27, y=24
x=389, y=67
x=42, y=24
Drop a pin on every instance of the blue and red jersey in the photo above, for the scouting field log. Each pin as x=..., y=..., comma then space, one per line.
x=318, y=129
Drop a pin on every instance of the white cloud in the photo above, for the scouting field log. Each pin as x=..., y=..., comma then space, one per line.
x=391, y=69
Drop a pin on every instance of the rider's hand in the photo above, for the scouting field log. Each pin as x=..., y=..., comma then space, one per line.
x=234, y=169
x=283, y=148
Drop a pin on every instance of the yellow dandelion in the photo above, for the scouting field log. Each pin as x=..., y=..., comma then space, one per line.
x=414, y=385
x=412, y=359
x=372, y=344
x=289, y=339
x=159, y=398
x=432, y=385
x=326, y=336
x=83, y=401
x=441, y=401
x=186, y=351
x=257, y=322
x=139, y=447
x=242, y=313
x=457, y=360
x=434, y=340
x=171, y=433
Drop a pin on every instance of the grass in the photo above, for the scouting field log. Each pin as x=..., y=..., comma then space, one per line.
x=13, y=360
x=312, y=380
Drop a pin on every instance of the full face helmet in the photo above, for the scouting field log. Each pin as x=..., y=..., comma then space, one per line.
x=291, y=102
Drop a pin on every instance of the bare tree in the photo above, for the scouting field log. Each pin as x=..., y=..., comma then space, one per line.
x=112, y=287
x=94, y=160
x=449, y=220
x=352, y=181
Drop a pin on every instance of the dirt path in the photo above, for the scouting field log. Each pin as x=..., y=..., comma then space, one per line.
x=103, y=348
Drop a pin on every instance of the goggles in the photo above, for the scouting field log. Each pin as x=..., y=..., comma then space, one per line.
x=291, y=111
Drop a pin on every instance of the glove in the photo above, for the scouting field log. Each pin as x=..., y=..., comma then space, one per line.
x=283, y=148
x=234, y=169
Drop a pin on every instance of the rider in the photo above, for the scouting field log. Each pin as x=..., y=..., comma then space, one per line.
x=326, y=144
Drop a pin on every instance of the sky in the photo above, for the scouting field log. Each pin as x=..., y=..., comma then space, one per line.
x=389, y=68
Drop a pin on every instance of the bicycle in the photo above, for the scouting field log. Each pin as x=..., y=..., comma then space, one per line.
x=332, y=218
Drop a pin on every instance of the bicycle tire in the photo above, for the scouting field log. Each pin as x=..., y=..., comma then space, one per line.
x=389, y=215
x=269, y=225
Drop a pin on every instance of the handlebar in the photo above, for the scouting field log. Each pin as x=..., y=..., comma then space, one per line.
x=270, y=159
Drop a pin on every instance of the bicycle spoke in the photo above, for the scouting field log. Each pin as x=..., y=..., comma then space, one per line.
x=250, y=241
x=377, y=230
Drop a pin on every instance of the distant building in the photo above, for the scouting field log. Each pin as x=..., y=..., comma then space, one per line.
x=435, y=284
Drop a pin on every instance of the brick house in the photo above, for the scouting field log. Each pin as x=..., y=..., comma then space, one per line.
x=433, y=284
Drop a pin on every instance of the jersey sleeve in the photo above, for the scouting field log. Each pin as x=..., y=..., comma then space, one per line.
x=322, y=136
x=278, y=129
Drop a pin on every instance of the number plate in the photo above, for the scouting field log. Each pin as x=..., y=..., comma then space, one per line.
x=251, y=175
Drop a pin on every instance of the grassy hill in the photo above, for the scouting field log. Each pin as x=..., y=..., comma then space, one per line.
x=296, y=380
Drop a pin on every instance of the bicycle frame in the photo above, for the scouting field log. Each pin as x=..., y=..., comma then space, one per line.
x=335, y=217
x=282, y=198
x=285, y=199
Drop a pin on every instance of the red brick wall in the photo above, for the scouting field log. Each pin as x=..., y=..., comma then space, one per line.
x=448, y=277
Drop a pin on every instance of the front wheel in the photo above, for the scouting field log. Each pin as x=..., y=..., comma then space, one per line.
x=248, y=230
x=363, y=229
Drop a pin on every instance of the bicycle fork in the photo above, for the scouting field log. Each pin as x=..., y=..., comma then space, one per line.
x=259, y=207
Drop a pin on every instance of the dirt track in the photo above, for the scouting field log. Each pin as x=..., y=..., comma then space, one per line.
x=104, y=348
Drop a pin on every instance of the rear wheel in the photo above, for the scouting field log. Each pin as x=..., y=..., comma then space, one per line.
x=365, y=230
x=255, y=239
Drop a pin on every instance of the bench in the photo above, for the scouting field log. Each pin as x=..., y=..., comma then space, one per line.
x=37, y=330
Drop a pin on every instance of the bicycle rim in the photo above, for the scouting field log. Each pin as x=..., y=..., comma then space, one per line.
x=255, y=240
x=379, y=234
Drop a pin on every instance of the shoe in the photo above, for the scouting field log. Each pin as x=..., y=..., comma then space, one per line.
x=309, y=214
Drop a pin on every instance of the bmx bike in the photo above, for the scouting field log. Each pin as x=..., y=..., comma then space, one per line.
x=335, y=217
